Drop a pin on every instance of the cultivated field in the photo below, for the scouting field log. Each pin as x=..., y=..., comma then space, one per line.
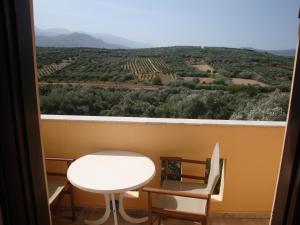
x=146, y=68
x=203, y=67
x=200, y=65
x=173, y=82
x=53, y=67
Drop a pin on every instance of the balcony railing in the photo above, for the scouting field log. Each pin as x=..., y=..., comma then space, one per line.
x=252, y=150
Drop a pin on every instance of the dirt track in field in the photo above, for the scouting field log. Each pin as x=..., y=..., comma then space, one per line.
x=106, y=85
x=247, y=81
x=202, y=80
x=240, y=81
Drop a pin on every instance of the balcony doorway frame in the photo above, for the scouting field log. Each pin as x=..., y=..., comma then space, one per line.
x=287, y=198
x=23, y=195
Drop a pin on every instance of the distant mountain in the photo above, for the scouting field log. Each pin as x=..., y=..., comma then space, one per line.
x=108, y=38
x=112, y=39
x=51, y=31
x=73, y=40
x=286, y=53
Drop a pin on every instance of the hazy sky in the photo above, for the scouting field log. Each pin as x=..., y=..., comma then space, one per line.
x=263, y=24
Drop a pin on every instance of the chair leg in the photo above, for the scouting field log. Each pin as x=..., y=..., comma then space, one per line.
x=72, y=204
x=159, y=220
x=149, y=209
x=150, y=222
x=53, y=212
x=204, y=221
x=149, y=217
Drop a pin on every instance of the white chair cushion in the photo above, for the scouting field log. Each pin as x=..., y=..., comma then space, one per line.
x=132, y=194
x=183, y=204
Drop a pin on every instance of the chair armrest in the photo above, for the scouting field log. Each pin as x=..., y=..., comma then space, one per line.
x=188, y=176
x=169, y=158
x=56, y=174
x=176, y=193
x=69, y=160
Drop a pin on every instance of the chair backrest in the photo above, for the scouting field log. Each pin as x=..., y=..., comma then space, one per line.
x=171, y=169
x=214, y=172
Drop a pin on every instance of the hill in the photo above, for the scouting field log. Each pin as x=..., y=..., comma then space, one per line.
x=73, y=40
x=210, y=65
x=51, y=31
x=285, y=52
x=113, y=39
x=108, y=38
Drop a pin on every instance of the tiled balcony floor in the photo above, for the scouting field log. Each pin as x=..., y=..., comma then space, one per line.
x=93, y=214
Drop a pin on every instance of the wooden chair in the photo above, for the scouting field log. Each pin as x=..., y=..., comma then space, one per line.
x=181, y=199
x=59, y=186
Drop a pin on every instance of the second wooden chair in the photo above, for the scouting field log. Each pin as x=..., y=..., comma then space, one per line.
x=181, y=199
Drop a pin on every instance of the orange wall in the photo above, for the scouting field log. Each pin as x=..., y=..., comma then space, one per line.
x=252, y=153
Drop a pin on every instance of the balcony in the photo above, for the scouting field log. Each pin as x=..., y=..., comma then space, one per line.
x=252, y=151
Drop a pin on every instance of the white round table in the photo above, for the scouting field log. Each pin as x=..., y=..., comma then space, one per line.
x=111, y=172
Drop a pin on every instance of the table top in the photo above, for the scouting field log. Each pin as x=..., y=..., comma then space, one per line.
x=111, y=171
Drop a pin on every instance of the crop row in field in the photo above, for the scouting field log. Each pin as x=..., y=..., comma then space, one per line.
x=146, y=76
x=144, y=68
x=53, y=67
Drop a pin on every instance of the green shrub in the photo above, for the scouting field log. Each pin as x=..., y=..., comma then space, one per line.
x=156, y=80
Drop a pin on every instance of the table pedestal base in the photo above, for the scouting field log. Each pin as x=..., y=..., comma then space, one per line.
x=104, y=217
x=122, y=212
x=126, y=216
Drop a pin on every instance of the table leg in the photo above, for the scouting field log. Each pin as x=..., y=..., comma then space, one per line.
x=104, y=217
x=114, y=208
x=126, y=216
